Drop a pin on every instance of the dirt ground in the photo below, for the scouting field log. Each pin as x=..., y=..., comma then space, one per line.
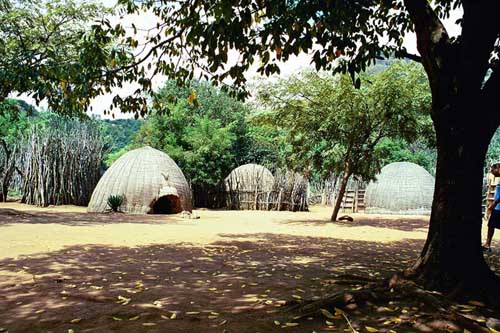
x=63, y=270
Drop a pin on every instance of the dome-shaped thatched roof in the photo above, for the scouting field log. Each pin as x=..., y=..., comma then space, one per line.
x=150, y=181
x=400, y=188
x=250, y=177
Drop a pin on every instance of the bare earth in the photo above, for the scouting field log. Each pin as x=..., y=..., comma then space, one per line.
x=62, y=269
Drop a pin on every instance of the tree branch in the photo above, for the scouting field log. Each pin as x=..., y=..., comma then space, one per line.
x=406, y=54
x=431, y=35
x=480, y=30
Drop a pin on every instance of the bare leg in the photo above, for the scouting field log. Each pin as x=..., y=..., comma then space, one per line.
x=491, y=232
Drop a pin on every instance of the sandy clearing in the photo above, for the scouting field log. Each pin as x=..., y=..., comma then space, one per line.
x=60, y=264
x=49, y=209
x=17, y=239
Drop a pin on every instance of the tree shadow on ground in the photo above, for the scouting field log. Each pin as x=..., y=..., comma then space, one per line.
x=12, y=216
x=410, y=223
x=228, y=286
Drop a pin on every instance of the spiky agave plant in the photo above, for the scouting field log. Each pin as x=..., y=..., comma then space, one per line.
x=115, y=201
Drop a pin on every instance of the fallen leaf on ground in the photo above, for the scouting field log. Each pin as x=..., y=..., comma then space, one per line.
x=327, y=314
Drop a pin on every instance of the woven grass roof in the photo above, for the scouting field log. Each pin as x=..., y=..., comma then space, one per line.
x=250, y=177
x=401, y=188
x=143, y=176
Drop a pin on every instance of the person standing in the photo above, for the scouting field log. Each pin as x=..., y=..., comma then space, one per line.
x=494, y=207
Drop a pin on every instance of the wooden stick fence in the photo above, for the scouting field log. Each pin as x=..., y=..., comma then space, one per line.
x=60, y=164
x=289, y=192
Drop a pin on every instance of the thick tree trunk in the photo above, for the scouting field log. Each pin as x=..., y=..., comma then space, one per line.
x=340, y=196
x=452, y=259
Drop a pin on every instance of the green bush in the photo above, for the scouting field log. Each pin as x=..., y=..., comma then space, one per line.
x=115, y=201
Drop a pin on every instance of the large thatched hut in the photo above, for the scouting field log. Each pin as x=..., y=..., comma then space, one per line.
x=150, y=181
x=250, y=177
x=401, y=188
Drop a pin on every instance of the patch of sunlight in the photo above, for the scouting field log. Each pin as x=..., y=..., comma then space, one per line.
x=305, y=260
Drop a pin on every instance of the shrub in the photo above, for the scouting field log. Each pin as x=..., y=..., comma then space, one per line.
x=115, y=201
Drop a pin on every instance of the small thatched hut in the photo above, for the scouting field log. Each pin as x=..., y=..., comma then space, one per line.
x=401, y=188
x=250, y=177
x=248, y=187
x=150, y=180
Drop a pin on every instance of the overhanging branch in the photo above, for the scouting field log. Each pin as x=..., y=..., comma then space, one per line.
x=480, y=31
x=431, y=33
x=407, y=55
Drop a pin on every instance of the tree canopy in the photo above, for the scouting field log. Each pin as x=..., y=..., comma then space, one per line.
x=206, y=140
x=335, y=128
x=49, y=52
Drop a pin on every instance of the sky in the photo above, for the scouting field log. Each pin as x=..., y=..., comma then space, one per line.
x=147, y=20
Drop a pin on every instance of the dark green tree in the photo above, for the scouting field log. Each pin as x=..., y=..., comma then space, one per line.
x=13, y=122
x=268, y=144
x=418, y=152
x=205, y=134
x=120, y=132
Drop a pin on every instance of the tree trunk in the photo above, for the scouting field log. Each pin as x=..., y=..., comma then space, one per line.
x=452, y=259
x=6, y=174
x=3, y=192
x=340, y=197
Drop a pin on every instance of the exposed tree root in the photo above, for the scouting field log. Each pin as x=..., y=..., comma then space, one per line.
x=441, y=312
x=350, y=279
x=341, y=300
x=479, y=283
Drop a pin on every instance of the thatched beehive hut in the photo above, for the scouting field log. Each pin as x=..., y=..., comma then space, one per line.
x=401, y=188
x=250, y=177
x=150, y=180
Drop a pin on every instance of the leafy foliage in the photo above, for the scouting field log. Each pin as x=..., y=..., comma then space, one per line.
x=111, y=157
x=49, y=51
x=202, y=37
x=268, y=144
x=398, y=150
x=115, y=201
x=206, y=140
x=12, y=121
x=336, y=128
x=120, y=132
x=202, y=34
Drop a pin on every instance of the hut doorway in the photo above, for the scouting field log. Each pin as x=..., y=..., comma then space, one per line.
x=167, y=204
